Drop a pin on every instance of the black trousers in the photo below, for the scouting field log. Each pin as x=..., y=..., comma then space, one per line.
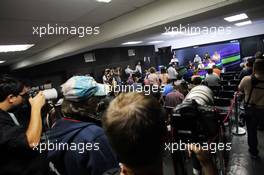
x=254, y=116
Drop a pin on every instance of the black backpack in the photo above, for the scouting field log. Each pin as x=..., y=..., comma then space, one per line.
x=254, y=83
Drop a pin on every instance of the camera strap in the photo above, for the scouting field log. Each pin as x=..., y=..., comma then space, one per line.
x=254, y=82
x=13, y=117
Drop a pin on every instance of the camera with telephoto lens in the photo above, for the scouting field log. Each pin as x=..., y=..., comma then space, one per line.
x=50, y=94
x=195, y=119
x=52, y=106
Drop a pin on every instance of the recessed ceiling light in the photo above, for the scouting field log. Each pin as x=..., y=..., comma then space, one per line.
x=2, y=61
x=132, y=42
x=15, y=48
x=236, y=17
x=243, y=23
x=105, y=1
x=155, y=42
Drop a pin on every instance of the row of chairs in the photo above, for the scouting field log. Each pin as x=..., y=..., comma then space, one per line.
x=223, y=96
x=224, y=88
x=224, y=91
x=230, y=82
x=229, y=76
x=222, y=102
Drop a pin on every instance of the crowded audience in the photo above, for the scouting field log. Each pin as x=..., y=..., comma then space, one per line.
x=119, y=132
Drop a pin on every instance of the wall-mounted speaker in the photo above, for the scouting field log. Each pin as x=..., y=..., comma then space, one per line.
x=89, y=57
x=131, y=52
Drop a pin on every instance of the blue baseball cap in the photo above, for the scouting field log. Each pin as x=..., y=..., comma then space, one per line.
x=79, y=88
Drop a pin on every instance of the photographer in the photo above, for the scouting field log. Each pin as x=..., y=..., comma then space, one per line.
x=16, y=143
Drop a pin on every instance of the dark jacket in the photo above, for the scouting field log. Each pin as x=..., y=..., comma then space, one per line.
x=93, y=159
x=16, y=157
x=115, y=171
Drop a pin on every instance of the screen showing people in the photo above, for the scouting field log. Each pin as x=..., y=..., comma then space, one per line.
x=224, y=56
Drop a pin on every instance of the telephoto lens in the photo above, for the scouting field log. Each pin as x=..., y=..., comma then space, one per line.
x=50, y=94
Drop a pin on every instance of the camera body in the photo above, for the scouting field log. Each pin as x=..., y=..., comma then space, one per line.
x=196, y=119
x=52, y=107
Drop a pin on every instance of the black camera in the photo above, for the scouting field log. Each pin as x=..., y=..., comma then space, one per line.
x=196, y=120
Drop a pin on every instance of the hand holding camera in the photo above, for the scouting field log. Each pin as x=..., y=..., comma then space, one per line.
x=38, y=100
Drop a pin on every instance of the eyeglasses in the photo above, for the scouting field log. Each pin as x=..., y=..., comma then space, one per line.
x=23, y=95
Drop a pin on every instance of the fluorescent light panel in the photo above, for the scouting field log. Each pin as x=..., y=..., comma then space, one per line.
x=243, y=23
x=105, y=1
x=155, y=42
x=179, y=33
x=132, y=42
x=236, y=17
x=15, y=48
x=2, y=61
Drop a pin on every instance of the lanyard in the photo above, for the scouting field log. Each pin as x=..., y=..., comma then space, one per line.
x=14, y=118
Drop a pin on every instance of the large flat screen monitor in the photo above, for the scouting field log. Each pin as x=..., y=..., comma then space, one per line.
x=229, y=54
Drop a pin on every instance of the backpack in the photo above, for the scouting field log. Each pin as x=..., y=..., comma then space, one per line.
x=254, y=83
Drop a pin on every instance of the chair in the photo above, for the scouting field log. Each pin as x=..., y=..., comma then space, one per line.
x=224, y=82
x=222, y=102
x=228, y=77
x=216, y=89
x=229, y=73
x=226, y=94
x=234, y=82
x=230, y=88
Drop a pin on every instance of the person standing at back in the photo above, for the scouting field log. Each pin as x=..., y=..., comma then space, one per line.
x=172, y=73
x=17, y=145
x=253, y=88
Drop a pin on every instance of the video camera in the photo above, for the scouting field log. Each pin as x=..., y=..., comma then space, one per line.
x=195, y=119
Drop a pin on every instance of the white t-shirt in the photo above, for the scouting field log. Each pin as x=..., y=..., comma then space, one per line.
x=197, y=59
x=172, y=73
x=212, y=80
x=139, y=69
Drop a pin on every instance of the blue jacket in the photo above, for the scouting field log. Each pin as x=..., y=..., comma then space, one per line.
x=88, y=150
